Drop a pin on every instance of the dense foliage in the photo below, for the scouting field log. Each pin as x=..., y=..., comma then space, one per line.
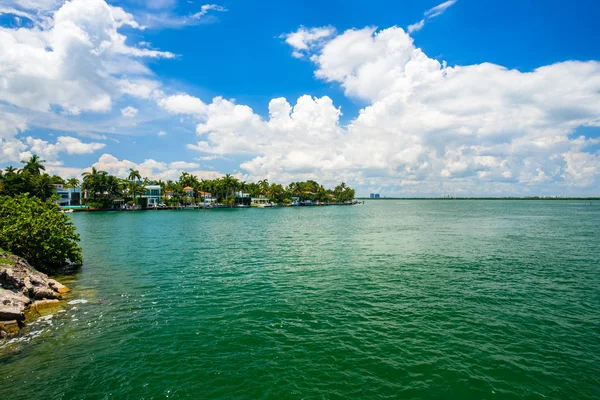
x=30, y=179
x=37, y=231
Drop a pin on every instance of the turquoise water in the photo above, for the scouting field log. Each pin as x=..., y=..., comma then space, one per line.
x=390, y=299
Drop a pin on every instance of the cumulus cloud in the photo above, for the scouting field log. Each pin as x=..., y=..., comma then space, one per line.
x=12, y=151
x=428, y=128
x=66, y=144
x=11, y=124
x=70, y=60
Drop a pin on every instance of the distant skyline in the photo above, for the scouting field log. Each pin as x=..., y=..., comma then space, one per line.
x=405, y=99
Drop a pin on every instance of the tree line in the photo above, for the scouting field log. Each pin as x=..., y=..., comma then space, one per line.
x=102, y=190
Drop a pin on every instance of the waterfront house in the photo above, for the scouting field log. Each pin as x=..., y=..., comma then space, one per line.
x=152, y=193
x=205, y=195
x=189, y=191
x=68, y=196
x=258, y=201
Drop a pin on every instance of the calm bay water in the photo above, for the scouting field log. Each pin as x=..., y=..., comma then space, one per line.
x=408, y=299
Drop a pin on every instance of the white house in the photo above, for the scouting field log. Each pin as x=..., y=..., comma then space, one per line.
x=152, y=193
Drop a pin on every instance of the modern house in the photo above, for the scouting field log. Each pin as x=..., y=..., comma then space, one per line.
x=68, y=196
x=152, y=193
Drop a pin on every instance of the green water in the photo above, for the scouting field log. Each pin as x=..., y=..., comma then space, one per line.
x=391, y=299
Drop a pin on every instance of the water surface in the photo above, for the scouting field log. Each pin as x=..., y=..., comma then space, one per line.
x=423, y=299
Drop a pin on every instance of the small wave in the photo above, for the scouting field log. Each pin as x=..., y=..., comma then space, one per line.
x=78, y=301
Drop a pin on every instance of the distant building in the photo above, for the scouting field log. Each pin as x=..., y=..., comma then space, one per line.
x=68, y=196
x=374, y=196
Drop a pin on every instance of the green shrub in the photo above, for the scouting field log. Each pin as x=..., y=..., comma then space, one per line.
x=37, y=231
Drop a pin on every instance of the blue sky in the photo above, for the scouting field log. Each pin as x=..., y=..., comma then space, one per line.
x=483, y=99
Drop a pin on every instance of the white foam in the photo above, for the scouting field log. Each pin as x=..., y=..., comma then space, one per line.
x=78, y=301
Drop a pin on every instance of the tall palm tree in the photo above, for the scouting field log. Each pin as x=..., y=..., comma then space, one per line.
x=242, y=186
x=264, y=186
x=229, y=184
x=34, y=165
x=134, y=175
x=10, y=170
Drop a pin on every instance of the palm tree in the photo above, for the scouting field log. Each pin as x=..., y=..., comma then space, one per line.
x=34, y=165
x=134, y=175
x=242, y=186
x=229, y=183
x=10, y=170
x=93, y=181
x=73, y=183
x=264, y=186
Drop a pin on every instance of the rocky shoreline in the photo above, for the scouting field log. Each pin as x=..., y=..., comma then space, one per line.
x=25, y=294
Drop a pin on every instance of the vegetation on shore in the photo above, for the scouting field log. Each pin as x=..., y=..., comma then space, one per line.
x=102, y=190
x=37, y=231
x=31, y=224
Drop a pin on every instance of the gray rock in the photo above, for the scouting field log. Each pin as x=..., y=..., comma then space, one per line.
x=44, y=292
x=20, y=283
x=8, y=313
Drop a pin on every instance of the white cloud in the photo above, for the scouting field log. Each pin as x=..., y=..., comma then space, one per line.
x=140, y=88
x=11, y=124
x=429, y=14
x=129, y=112
x=151, y=169
x=205, y=9
x=183, y=104
x=64, y=144
x=170, y=20
x=70, y=59
x=162, y=133
x=439, y=9
x=428, y=128
x=416, y=26
x=12, y=151
x=305, y=39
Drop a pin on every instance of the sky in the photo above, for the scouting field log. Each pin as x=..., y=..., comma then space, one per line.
x=402, y=98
